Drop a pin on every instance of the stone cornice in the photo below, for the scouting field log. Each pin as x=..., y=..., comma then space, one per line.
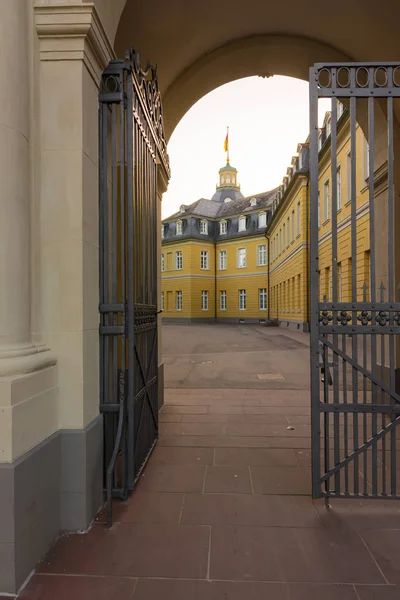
x=73, y=32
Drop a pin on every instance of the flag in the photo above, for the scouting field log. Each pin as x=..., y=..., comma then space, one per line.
x=226, y=144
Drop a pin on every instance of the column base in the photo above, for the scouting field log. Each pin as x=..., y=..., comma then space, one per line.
x=22, y=358
x=55, y=486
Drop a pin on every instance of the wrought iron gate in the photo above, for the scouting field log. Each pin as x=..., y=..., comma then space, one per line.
x=354, y=392
x=131, y=142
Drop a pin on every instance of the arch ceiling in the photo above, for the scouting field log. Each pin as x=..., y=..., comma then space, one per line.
x=198, y=46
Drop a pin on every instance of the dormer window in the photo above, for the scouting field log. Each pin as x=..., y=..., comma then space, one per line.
x=162, y=231
x=262, y=219
x=301, y=159
x=227, y=199
x=182, y=208
x=223, y=227
x=179, y=227
x=242, y=224
x=204, y=227
x=340, y=109
x=253, y=202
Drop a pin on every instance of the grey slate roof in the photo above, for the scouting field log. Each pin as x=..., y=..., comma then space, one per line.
x=227, y=192
x=215, y=210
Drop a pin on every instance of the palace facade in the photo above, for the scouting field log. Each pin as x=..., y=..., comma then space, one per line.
x=246, y=259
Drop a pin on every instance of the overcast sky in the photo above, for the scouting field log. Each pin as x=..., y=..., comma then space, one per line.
x=267, y=118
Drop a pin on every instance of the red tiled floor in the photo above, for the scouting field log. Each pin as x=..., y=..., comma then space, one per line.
x=385, y=546
x=284, y=554
x=172, y=478
x=228, y=480
x=49, y=587
x=194, y=530
x=147, y=507
x=207, y=441
x=356, y=514
x=255, y=457
x=281, y=480
x=150, y=589
x=134, y=550
x=374, y=592
x=182, y=456
x=242, y=509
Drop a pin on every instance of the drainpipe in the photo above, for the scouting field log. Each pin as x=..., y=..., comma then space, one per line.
x=215, y=280
x=268, y=295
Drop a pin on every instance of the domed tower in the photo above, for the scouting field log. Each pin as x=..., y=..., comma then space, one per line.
x=228, y=188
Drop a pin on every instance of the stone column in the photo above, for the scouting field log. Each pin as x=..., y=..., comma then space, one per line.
x=17, y=353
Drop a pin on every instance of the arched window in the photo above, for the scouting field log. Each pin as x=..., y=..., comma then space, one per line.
x=179, y=227
x=222, y=179
x=228, y=179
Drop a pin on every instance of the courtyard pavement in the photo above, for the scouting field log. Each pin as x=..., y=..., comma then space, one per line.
x=223, y=511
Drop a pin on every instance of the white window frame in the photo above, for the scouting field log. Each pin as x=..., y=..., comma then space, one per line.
x=204, y=260
x=204, y=227
x=162, y=301
x=366, y=159
x=162, y=263
x=328, y=129
x=327, y=200
x=178, y=300
x=339, y=187
x=293, y=235
x=262, y=299
x=162, y=231
x=242, y=299
x=228, y=178
x=242, y=224
x=348, y=176
x=288, y=232
x=319, y=209
x=298, y=218
x=262, y=255
x=223, y=227
x=204, y=300
x=241, y=254
x=179, y=228
x=262, y=216
x=178, y=260
x=340, y=109
x=222, y=300
x=223, y=260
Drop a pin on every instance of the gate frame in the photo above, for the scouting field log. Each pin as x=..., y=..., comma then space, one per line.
x=131, y=133
x=332, y=318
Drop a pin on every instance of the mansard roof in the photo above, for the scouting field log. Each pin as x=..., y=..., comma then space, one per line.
x=214, y=210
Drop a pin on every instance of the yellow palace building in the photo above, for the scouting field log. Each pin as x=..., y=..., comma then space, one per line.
x=246, y=259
